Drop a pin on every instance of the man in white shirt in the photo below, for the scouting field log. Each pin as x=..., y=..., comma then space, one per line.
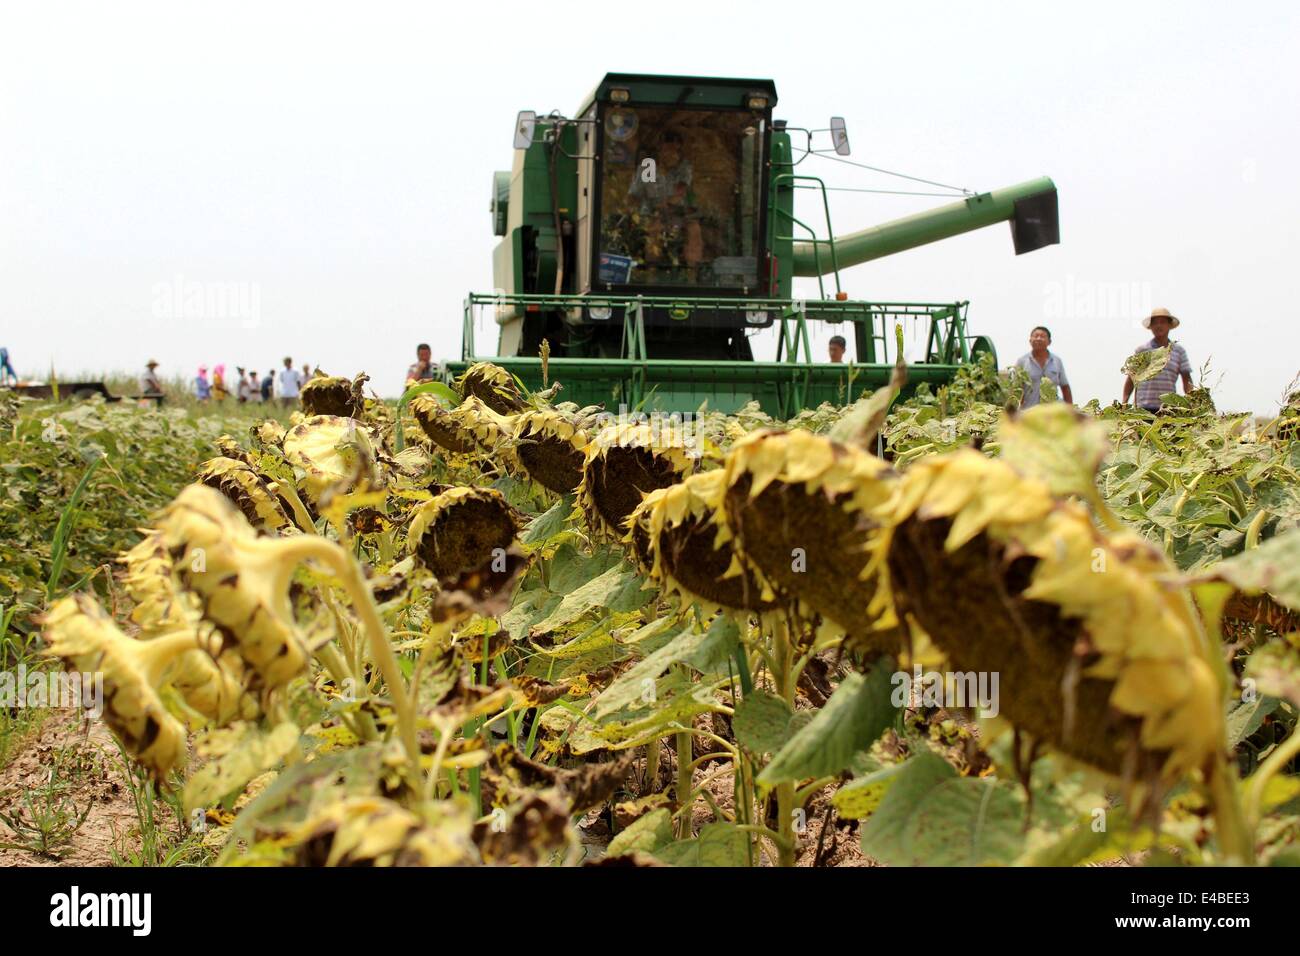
x=1041, y=364
x=290, y=384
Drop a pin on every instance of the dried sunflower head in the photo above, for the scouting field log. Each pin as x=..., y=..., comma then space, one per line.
x=673, y=538
x=334, y=395
x=625, y=462
x=493, y=386
x=436, y=422
x=1096, y=647
x=462, y=530
x=329, y=452
x=79, y=632
x=241, y=580
x=247, y=491
x=798, y=508
x=551, y=448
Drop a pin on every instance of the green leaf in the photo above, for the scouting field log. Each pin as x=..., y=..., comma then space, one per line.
x=1275, y=668
x=882, y=834
x=1246, y=717
x=719, y=844
x=618, y=589
x=860, y=798
x=239, y=755
x=719, y=642
x=553, y=521
x=932, y=817
x=1053, y=443
x=1273, y=567
x=762, y=722
x=858, y=712
x=1143, y=366
x=632, y=683
x=646, y=833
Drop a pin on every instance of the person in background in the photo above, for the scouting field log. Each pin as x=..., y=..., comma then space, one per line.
x=219, y=392
x=1039, y=364
x=306, y=372
x=268, y=382
x=254, y=387
x=150, y=384
x=422, y=370
x=1160, y=322
x=837, y=347
x=202, y=387
x=290, y=383
x=243, y=391
x=7, y=374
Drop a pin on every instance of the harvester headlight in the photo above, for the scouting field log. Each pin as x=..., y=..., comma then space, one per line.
x=756, y=101
x=755, y=318
x=619, y=95
x=599, y=313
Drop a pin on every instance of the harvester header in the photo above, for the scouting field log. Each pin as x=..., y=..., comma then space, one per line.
x=647, y=237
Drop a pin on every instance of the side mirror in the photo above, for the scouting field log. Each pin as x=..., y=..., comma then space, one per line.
x=525, y=125
x=840, y=135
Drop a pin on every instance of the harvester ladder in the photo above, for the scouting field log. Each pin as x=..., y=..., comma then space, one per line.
x=817, y=242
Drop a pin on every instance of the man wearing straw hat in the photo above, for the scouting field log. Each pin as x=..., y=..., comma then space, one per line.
x=1160, y=321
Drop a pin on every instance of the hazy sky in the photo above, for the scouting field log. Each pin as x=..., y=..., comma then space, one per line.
x=333, y=164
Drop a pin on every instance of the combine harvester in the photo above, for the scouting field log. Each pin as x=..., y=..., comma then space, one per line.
x=648, y=238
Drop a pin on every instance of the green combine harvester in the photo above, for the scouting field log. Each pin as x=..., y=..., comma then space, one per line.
x=647, y=239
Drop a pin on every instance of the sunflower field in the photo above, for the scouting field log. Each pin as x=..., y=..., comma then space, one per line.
x=483, y=626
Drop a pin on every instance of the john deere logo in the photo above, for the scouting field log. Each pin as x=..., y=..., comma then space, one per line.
x=678, y=313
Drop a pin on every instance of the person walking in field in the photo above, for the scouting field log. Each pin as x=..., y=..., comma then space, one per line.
x=1039, y=363
x=267, y=382
x=150, y=384
x=202, y=387
x=1160, y=322
x=219, y=392
x=290, y=384
x=243, y=391
x=7, y=374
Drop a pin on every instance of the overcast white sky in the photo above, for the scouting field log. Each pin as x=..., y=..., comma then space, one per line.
x=336, y=160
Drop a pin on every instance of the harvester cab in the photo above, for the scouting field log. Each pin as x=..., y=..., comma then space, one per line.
x=648, y=238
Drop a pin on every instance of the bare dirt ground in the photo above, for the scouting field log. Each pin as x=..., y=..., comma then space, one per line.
x=87, y=773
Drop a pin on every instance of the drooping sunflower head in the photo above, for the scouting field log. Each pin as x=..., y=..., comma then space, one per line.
x=241, y=581
x=1096, y=648
x=334, y=395
x=247, y=491
x=798, y=507
x=674, y=540
x=88, y=642
x=462, y=530
x=551, y=448
x=625, y=462
x=329, y=453
x=493, y=386
x=442, y=429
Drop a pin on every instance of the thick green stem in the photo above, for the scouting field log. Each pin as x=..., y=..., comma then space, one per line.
x=381, y=651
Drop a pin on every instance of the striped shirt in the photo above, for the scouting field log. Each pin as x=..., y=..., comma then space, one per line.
x=1149, y=392
x=1053, y=369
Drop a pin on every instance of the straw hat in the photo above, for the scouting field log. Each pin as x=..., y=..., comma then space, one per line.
x=152, y=363
x=1161, y=314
